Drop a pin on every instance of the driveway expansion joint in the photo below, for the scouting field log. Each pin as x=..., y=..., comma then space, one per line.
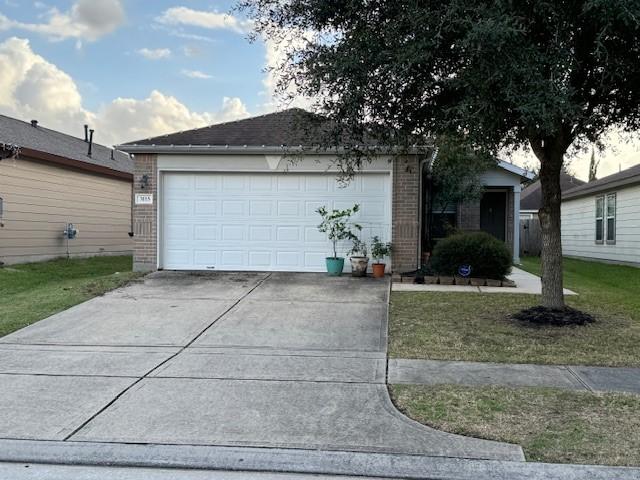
x=147, y=374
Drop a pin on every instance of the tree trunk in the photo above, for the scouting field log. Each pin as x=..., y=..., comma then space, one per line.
x=551, y=255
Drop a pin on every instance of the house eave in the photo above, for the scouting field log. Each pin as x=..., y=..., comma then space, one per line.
x=515, y=169
x=599, y=189
x=72, y=163
x=266, y=150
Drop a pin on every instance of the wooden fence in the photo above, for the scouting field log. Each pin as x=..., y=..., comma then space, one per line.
x=530, y=237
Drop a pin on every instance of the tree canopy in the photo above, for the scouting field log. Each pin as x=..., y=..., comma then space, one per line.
x=550, y=74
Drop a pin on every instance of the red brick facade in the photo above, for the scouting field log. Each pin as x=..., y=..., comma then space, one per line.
x=406, y=213
x=145, y=216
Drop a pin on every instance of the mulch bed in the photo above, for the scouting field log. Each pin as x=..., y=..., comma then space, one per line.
x=550, y=316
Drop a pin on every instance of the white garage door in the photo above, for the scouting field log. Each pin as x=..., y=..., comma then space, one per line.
x=261, y=221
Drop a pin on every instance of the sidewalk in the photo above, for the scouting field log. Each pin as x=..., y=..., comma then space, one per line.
x=434, y=372
x=526, y=283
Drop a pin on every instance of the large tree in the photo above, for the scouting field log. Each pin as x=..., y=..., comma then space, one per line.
x=551, y=75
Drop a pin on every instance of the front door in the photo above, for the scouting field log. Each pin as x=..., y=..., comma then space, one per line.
x=493, y=214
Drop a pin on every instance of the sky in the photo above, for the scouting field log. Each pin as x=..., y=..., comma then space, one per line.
x=138, y=68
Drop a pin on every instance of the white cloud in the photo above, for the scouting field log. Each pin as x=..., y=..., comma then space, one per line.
x=33, y=88
x=86, y=20
x=621, y=151
x=155, y=53
x=191, y=51
x=129, y=119
x=203, y=19
x=275, y=55
x=197, y=74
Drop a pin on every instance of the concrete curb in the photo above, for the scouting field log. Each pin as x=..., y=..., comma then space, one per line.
x=296, y=461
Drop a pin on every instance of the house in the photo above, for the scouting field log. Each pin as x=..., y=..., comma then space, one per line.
x=232, y=197
x=601, y=219
x=49, y=180
x=531, y=197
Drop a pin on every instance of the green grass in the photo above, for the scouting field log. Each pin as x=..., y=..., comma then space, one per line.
x=477, y=327
x=34, y=291
x=551, y=425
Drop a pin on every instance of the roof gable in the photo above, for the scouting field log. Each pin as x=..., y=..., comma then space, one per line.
x=25, y=136
x=531, y=197
x=630, y=176
x=292, y=127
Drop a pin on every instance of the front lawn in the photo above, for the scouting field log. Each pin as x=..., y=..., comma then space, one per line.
x=477, y=327
x=34, y=291
x=551, y=425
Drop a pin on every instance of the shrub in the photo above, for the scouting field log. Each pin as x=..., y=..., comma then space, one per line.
x=487, y=256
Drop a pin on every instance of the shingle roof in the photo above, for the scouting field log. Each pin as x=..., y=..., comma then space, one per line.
x=630, y=176
x=41, y=139
x=292, y=127
x=531, y=197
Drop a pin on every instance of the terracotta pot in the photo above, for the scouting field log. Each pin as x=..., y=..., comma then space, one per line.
x=378, y=270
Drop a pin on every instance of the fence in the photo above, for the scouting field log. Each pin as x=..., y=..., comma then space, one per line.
x=530, y=237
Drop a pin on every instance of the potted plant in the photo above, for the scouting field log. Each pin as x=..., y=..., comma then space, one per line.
x=335, y=223
x=359, y=259
x=379, y=250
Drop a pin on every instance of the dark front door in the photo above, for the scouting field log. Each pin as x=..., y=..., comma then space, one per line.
x=493, y=214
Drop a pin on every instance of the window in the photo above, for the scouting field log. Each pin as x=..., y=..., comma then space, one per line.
x=611, y=218
x=600, y=219
x=606, y=219
x=444, y=221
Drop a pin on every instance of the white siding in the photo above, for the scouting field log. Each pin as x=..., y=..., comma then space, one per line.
x=578, y=227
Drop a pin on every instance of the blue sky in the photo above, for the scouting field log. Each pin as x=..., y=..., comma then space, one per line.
x=139, y=68
x=127, y=49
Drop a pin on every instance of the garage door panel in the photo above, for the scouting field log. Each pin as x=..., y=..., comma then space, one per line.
x=261, y=221
x=234, y=183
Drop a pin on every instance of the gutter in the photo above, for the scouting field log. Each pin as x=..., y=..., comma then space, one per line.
x=259, y=150
x=68, y=162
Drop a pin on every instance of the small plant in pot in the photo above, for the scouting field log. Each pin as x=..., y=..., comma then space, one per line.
x=335, y=223
x=379, y=250
x=359, y=258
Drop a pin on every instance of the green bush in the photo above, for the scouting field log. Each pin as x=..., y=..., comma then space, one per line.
x=487, y=256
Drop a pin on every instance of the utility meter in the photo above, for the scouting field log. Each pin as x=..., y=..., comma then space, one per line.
x=70, y=231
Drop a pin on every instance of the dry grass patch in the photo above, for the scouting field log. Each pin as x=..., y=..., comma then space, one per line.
x=551, y=425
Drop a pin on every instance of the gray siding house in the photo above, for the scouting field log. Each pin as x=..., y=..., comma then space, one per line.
x=601, y=219
x=48, y=180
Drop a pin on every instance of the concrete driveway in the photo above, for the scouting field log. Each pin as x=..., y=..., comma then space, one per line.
x=246, y=359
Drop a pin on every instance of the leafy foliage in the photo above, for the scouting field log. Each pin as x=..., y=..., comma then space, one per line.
x=487, y=256
x=336, y=224
x=380, y=249
x=550, y=74
x=359, y=249
x=456, y=173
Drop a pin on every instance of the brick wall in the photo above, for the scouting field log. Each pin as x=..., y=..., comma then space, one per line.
x=406, y=213
x=145, y=216
x=509, y=235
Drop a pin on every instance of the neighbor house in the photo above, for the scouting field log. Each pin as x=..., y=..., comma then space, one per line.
x=531, y=198
x=49, y=180
x=601, y=219
x=231, y=197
